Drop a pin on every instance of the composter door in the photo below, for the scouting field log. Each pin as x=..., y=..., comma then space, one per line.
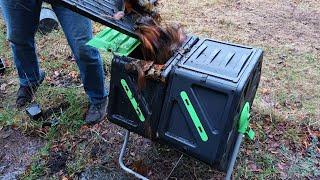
x=195, y=116
x=131, y=108
x=207, y=89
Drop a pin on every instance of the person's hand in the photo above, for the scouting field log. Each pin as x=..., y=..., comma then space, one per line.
x=118, y=15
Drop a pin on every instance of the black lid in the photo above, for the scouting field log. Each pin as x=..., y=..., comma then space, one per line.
x=101, y=11
x=219, y=59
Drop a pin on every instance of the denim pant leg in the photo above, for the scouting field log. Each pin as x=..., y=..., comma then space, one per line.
x=78, y=31
x=21, y=18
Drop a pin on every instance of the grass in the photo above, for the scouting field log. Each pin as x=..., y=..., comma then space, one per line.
x=285, y=115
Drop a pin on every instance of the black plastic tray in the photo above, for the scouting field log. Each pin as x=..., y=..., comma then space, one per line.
x=101, y=11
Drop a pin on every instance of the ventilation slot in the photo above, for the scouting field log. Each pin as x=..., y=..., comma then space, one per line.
x=200, y=51
x=227, y=59
x=212, y=56
x=242, y=62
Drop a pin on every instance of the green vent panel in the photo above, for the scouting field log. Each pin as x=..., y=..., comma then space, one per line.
x=114, y=41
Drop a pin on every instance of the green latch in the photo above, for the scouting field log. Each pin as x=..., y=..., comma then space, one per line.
x=244, y=122
x=114, y=41
x=194, y=116
x=132, y=100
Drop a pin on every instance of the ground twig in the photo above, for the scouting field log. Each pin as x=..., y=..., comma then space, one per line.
x=174, y=167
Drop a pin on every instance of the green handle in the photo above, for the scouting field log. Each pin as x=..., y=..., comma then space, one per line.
x=132, y=100
x=194, y=116
x=244, y=122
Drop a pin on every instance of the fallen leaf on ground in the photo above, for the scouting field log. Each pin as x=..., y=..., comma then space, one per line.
x=265, y=91
x=253, y=167
x=3, y=87
x=73, y=74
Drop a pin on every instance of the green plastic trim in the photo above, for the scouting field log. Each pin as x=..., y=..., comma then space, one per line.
x=114, y=41
x=132, y=100
x=244, y=122
x=194, y=116
x=250, y=133
x=244, y=118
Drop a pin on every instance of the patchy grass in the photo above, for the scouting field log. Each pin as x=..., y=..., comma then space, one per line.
x=286, y=114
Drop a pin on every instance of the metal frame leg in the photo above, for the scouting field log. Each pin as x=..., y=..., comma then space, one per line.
x=234, y=156
x=128, y=170
x=122, y=165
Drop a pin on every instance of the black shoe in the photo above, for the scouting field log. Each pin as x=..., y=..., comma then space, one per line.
x=96, y=113
x=26, y=93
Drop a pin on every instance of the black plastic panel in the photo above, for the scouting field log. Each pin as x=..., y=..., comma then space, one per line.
x=101, y=11
x=120, y=109
x=219, y=79
x=220, y=59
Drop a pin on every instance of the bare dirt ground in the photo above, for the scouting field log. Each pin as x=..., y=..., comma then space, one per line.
x=286, y=112
x=16, y=151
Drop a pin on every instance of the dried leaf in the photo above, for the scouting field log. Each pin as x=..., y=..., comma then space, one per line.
x=253, y=167
x=283, y=175
x=3, y=87
x=281, y=166
x=140, y=167
x=265, y=91
x=56, y=73
x=73, y=74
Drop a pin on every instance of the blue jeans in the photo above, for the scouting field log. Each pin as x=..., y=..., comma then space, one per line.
x=22, y=19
